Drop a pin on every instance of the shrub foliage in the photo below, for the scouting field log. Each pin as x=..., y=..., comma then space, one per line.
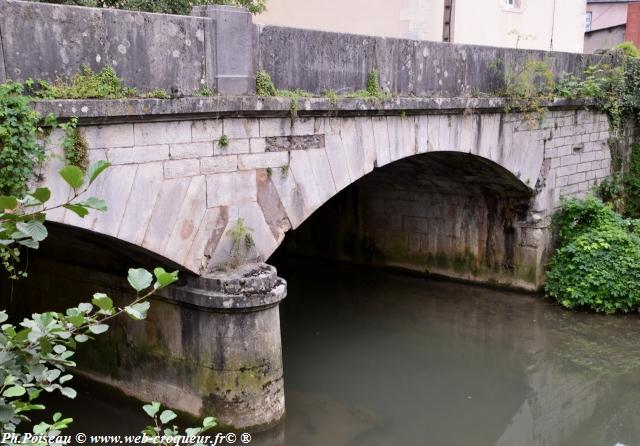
x=597, y=263
x=20, y=149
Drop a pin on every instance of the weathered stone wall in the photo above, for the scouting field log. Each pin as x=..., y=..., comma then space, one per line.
x=44, y=41
x=407, y=67
x=220, y=47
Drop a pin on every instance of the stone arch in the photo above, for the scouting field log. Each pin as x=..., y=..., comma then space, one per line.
x=450, y=213
x=356, y=147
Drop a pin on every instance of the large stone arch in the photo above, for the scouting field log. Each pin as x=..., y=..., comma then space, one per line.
x=358, y=147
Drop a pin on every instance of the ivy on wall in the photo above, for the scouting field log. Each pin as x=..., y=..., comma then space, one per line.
x=21, y=150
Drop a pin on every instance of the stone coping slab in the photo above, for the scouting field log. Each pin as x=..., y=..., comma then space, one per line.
x=127, y=110
x=251, y=287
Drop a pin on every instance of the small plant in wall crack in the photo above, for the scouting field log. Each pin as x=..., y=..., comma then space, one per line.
x=373, y=91
x=157, y=93
x=85, y=84
x=528, y=89
x=264, y=84
x=223, y=142
x=242, y=243
x=74, y=145
x=204, y=91
x=332, y=95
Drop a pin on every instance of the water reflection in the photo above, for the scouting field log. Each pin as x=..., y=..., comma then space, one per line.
x=376, y=359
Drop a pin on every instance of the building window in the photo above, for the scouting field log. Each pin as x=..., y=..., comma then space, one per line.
x=448, y=19
x=587, y=21
x=512, y=5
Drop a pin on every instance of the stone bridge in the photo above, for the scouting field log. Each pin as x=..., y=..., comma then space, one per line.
x=445, y=179
x=431, y=180
x=455, y=187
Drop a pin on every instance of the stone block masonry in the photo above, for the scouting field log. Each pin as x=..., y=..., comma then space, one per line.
x=174, y=179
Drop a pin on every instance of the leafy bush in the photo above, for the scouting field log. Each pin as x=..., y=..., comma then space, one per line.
x=579, y=216
x=597, y=263
x=20, y=150
x=628, y=48
x=614, y=84
x=597, y=270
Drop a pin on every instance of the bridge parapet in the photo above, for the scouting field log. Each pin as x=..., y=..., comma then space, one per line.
x=221, y=48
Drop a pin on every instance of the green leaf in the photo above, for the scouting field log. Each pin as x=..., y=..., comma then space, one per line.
x=29, y=243
x=96, y=169
x=192, y=431
x=98, y=328
x=139, y=279
x=69, y=392
x=152, y=408
x=33, y=229
x=42, y=194
x=137, y=311
x=102, y=301
x=3, y=316
x=81, y=338
x=77, y=320
x=6, y=413
x=85, y=307
x=63, y=379
x=94, y=203
x=14, y=391
x=33, y=393
x=8, y=202
x=164, y=278
x=80, y=211
x=72, y=175
x=167, y=415
x=208, y=423
x=40, y=428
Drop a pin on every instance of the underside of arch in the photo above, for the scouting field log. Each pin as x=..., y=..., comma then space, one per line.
x=446, y=213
